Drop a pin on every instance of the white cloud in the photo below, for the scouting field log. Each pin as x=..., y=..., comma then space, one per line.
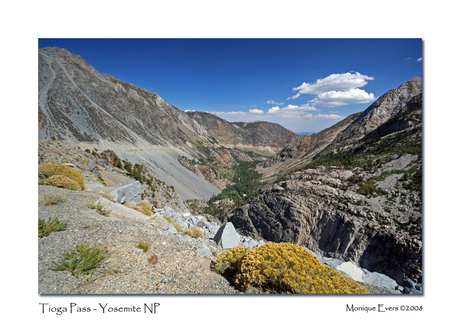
x=230, y=113
x=189, y=111
x=324, y=116
x=304, y=107
x=274, y=102
x=339, y=98
x=333, y=82
x=329, y=116
x=256, y=111
x=419, y=59
x=290, y=111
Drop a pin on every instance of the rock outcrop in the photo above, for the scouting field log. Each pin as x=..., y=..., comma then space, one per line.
x=333, y=220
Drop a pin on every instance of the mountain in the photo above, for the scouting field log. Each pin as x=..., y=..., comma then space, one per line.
x=90, y=110
x=348, y=131
x=303, y=149
x=257, y=134
x=352, y=191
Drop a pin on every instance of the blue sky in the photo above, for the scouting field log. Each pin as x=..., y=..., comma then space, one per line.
x=306, y=85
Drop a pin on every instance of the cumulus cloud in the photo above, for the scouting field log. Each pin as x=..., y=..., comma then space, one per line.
x=256, y=111
x=304, y=107
x=291, y=111
x=333, y=82
x=419, y=59
x=274, y=102
x=339, y=98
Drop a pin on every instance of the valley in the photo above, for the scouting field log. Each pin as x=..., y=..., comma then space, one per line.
x=351, y=192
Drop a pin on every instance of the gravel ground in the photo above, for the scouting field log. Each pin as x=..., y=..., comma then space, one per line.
x=178, y=270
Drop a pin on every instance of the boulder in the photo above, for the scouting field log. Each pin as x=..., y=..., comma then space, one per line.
x=350, y=269
x=170, y=212
x=170, y=228
x=379, y=280
x=129, y=193
x=227, y=237
x=408, y=283
x=202, y=252
x=203, y=223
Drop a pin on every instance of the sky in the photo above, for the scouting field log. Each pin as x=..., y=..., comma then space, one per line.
x=306, y=85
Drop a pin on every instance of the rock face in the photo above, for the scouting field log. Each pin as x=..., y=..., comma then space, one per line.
x=311, y=214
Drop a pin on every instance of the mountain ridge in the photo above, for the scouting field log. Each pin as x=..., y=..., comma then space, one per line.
x=98, y=111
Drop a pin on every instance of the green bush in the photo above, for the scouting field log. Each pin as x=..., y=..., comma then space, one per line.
x=283, y=268
x=143, y=244
x=48, y=170
x=100, y=207
x=51, y=199
x=84, y=258
x=46, y=227
x=367, y=188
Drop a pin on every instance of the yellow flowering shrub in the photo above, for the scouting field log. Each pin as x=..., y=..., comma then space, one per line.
x=229, y=261
x=146, y=208
x=48, y=170
x=62, y=181
x=284, y=268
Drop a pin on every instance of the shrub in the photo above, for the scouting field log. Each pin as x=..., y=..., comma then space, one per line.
x=62, y=181
x=48, y=170
x=143, y=244
x=100, y=207
x=284, y=268
x=82, y=259
x=51, y=199
x=229, y=261
x=367, y=188
x=146, y=208
x=46, y=227
x=194, y=232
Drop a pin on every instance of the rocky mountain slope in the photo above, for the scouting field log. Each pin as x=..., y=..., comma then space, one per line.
x=353, y=191
x=259, y=134
x=343, y=134
x=97, y=111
